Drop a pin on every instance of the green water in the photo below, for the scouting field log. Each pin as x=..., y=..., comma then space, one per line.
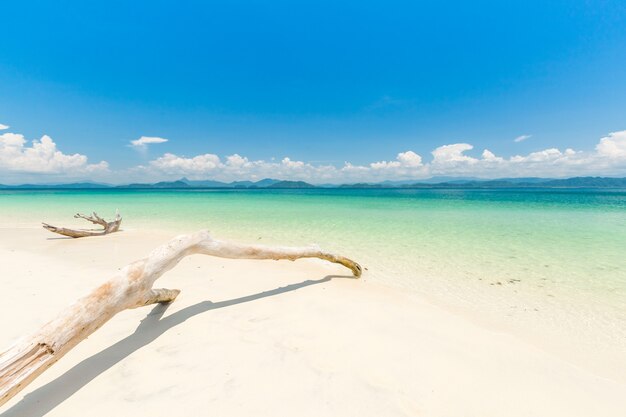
x=507, y=252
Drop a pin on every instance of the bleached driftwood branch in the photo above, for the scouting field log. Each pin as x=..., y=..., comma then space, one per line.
x=108, y=227
x=131, y=287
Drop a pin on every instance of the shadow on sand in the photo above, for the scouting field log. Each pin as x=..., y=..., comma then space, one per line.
x=44, y=399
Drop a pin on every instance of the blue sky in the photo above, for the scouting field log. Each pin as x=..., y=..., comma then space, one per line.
x=321, y=83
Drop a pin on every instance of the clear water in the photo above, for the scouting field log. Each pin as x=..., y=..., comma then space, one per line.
x=557, y=257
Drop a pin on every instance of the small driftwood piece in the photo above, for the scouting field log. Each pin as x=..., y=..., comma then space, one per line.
x=130, y=288
x=108, y=227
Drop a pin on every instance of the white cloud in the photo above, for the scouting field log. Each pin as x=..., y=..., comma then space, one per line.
x=237, y=161
x=42, y=157
x=408, y=159
x=144, y=141
x=3, y=127
x=452, y=154
x=609, y=158
x=613, y=146
x=171, y=163
x=234, y=167
x=490, y=156
x=522, y=138
x=406, y=165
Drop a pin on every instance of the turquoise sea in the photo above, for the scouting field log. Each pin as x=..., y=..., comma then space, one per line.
x=521, y=256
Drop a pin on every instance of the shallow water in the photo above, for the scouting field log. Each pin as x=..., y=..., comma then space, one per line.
x=550, y=256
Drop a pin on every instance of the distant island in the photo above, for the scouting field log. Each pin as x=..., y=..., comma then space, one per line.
x=268, y=183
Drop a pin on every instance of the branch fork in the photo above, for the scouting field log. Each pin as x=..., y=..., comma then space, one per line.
x=107, y=227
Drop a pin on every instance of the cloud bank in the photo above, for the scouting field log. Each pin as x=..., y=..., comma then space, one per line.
x=41, y=158
x=608, y=158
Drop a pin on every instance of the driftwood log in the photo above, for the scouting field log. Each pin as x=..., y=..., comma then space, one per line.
x=107, y=227
x=130, y=288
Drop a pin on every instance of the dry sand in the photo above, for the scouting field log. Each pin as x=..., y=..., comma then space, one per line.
x=269, y=338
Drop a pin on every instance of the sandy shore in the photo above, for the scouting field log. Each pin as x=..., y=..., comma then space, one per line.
x=271, y=338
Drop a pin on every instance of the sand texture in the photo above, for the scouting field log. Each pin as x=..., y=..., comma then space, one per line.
x=268, y=338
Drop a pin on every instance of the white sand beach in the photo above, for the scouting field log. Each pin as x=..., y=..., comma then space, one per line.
x=269, y=338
